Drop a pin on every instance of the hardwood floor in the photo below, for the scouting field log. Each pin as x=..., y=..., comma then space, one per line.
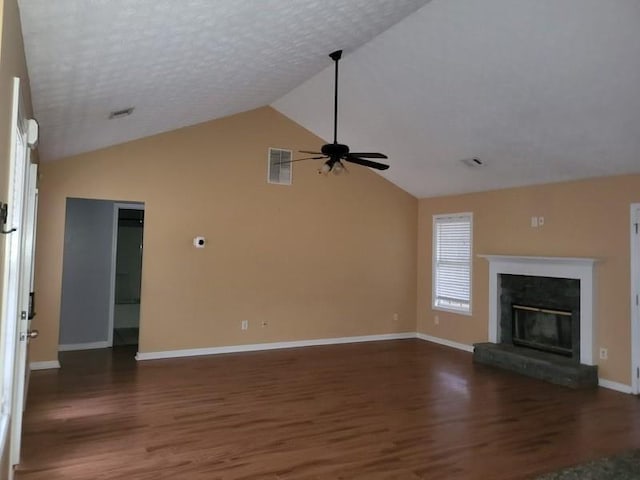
x=402, y=409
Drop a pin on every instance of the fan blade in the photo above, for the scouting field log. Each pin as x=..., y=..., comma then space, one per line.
x=369, y=155
x=312, y=153
x=300, y=159
x=366, y=163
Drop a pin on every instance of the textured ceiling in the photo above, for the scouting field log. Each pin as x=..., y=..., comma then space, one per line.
x=178, y=62
x=540, y=90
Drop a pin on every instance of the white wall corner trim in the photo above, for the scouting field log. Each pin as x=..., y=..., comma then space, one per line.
x=83, y=346
x=445, y=342
x=44, y=365
x=558, y=267
x=270, y=346
x=618, y=387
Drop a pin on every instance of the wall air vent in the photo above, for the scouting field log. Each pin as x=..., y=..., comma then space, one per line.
x=279, y=166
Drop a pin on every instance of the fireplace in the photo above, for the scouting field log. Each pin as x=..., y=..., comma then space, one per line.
x=542, y=329
x=541, y=318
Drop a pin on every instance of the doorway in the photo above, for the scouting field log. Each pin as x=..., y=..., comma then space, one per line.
x=88, y=304
x=128, y=273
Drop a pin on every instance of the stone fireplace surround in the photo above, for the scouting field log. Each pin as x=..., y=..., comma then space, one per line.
x=555, y=294
x=571, y=372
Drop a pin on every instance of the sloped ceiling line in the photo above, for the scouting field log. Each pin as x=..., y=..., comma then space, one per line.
x=541, y=91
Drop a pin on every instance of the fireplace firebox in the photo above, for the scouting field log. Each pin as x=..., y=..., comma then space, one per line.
x=541, y=313
x=543, y=329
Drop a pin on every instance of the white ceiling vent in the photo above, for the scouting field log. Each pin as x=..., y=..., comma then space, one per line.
x=121, y=113
x=279, y=166
x=473, y=162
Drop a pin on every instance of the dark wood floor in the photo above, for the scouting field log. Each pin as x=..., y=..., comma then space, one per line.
x=388, y=410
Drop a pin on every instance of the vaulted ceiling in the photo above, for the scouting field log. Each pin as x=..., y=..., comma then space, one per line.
x=538, y=90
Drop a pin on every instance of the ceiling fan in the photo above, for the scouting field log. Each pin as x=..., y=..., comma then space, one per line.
x=335, y=152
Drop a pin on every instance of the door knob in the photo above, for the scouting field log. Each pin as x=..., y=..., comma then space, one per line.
x=33, y=333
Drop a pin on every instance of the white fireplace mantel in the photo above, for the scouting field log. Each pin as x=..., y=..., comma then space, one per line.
x=558, y=267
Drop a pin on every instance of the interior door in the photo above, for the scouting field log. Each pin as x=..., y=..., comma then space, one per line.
x=25, y=333
x=19, y=230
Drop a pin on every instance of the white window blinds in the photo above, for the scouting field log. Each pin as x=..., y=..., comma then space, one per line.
x=452, y=262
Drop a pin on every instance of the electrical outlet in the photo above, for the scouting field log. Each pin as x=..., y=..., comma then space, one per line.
x=244, y=324
x=395, y=317
x=540, y=221
x=604, y=353
x=436, y=320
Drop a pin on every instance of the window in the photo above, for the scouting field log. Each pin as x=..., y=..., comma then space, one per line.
x=452, y=240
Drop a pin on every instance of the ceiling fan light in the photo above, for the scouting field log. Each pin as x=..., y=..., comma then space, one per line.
x=325, y=169
x=338, y=168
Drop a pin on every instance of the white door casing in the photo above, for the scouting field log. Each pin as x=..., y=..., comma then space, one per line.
x=10, y=243
x=635, y=297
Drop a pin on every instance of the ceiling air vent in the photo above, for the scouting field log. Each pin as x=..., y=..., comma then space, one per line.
x=279, y=167
x=121, y=113
x=473, y=162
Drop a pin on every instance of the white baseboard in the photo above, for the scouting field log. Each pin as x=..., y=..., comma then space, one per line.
x=445, y=342
x=618, y=387
x=44, y=365
x=140, y=356
x=270, y=346
x=83, y=346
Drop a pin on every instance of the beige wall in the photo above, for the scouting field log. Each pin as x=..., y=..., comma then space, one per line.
x=325, y=257
x=4, y=463
x=12, y=64
x=582, y=219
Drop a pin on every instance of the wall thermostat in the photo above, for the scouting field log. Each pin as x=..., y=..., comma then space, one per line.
x=199, y=242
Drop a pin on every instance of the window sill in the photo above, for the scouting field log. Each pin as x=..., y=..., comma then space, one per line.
x=466, y=313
